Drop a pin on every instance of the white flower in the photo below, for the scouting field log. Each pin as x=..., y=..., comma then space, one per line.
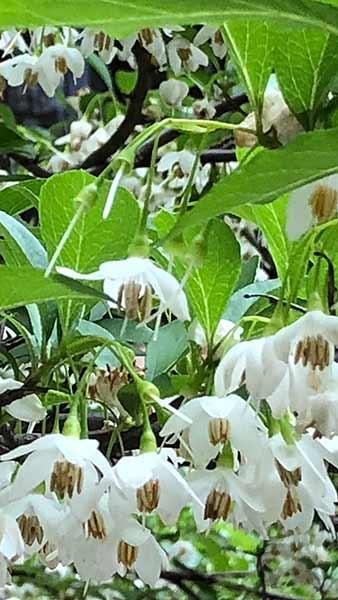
x=243, y=362
x=151, y=482
x=203, y=109
x=100, y=42
x=54, y=63
x=69, y=466
x=227, y=496
x=47, y=70
x=179, y=164
x=11, y=544
x=226, y=331
x=152, y=40
x=128, y=281
x=79, y=132
x=38, y=518
x=214, y=34
x=173, y=92
x=184, y=56
x=311, y=205
x=308, y=487
x=10, y=40
x=275, y=114
x=28, y=408
x=214, y=422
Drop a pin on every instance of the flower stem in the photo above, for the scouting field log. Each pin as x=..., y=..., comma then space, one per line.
x=150, y=177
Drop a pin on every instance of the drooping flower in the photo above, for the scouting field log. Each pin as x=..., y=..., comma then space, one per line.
x=131, y=282
x=69, y=466
x=173, y=92
x=243, y=362
x=151, y=482
x=215, y=422
x=184, y=56
x=100, y=42
x=226, y=332
x=29, y=408
x=179, y=165
x=213, y=34
x=311, y=205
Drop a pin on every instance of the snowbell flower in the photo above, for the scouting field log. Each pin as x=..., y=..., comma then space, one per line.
x=213, y=34
x=131, y=283
x=226, y=496
x=79, y=132
x=241, y=365
x=307, y=487
x=100, y=42
x=55, y=62
x=29, y=408
x=69, y=466
x=11, y=40
x=39, y=518
x=203, y=109
x=173, y=92
x=179, y=164
x=226, y=331
x=184, y=56
x=215, y=422
x=311, y=205
x=150, y=482
x=276, y=114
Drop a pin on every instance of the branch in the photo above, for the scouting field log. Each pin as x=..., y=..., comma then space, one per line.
x=30, y=165
x=133, y=115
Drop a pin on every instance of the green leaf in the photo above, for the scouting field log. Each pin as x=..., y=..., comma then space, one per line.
x=11, y=142
x=122, y=17
x=239, y=304
x=20, y=245
x=93, y=240
x=251, y=45
x=269, y=175
x=18, y=198
x=305, y=61
x=26, y=285
x=101, y=69
x=126, y=81
x=164, y=352
x=210, y=286
x=106, y=357
x=271, y=218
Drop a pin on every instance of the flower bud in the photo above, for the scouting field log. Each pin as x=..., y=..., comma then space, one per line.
x=87, y=196
x=72, y=427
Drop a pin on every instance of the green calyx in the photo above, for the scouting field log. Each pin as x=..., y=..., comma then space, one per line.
x=72, y=426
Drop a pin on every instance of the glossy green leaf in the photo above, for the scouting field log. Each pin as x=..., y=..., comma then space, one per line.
x=20, y=246
x=251, y=44
x=305, y=62
x=210, y=286
x=268, y=176
x=239, y=304
x=26, y=285
x=120, y=17
x=11, y=142
x=21, y=196
x=164, y=352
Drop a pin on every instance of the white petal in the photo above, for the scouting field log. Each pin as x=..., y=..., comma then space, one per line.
x=27, y=409
x=299, y=212
x=96, y=276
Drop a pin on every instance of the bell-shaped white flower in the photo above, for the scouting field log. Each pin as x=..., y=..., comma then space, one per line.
x=214, y=422
x=38, y=518
x=20, y=69
x=184, y=56
x=307, y=486
x=311, y=205
x=100, y=42
x=226, y=332
x=69, y=466
x=173, y=92
x=29, y=408
x=226, y=496
x=151, y=483
x=130, y=281
x=243, y=362
x=309, y=341
x=79, y=132
x=152, y=40
x=179, y=165
x=206, y=33
x=55, y=62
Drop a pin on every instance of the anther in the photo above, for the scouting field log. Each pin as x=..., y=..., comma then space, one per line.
x=66, y=478
x=148, y=496
x=127, y=554
x=291, y=504
x=313, y=350
x=218, y=431
x=217, y=506
x=324, y=203
x=289, y=477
